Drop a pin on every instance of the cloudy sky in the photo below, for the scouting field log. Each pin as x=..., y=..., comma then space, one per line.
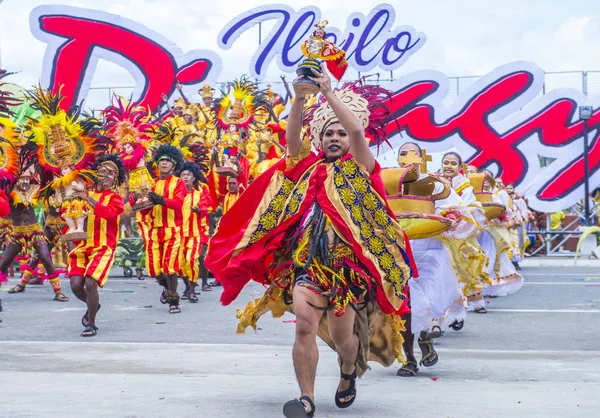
x=464, y=37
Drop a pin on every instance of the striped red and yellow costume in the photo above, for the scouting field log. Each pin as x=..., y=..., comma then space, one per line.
x=94, y=257
x=228, y=200
x=164, y=232
x=195, y=231
x=206, y=203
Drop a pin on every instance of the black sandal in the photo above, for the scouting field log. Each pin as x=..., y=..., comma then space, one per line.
x=405, y=371
x=193, y=298
x=457, y=326
x=18, y=288
x=432, y=353
x=185, y=295
x=89, y=331
x=351, y=391
x=297, y=409
x=174, y=309
x=85, y=318
x=480, y=310
x=163, y=297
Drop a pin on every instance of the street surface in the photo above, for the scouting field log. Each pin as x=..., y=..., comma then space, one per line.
x=536, y=354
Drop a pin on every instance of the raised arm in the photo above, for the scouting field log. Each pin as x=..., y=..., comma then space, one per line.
x=294, y=126
x=180, y=90
x=165, y=100
x=359, y=147
x=288, y=92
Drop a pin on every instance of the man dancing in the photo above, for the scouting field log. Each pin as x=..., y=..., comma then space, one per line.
x=317, y=229
x=164, y=224
x=26, y=234
x=91, y=260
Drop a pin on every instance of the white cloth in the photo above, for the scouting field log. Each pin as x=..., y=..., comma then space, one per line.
x=437, y=286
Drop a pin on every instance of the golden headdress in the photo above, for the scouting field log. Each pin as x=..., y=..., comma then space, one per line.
x=207, y=91
x=180, y=103
x=242, y=107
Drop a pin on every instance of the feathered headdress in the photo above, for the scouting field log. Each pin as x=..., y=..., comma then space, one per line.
x=59, y=140
x=128, y=123
x=242, y=107
x=7, y=100
x=9, y=155
x=367, y=103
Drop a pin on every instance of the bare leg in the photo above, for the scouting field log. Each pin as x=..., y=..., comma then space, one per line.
x=43, y=254
x=306, y=352
x=78, y=288
x=203, y=269
x=408, y=346
x=172, y=283
x=10, y=252
x=172, y=296
x=93, y=299
x=341, y=330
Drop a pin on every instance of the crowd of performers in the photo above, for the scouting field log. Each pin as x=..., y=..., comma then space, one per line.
x=366, y=258
x=174, y=173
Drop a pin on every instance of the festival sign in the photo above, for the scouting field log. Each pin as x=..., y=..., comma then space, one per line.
x=369, y=41
x=78, y=38
x=501, y=122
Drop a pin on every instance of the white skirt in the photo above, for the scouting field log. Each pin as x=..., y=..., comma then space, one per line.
x=436, y=288
x=509, y=281
x=486, y=241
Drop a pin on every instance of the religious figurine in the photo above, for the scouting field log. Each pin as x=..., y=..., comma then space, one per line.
x=130, y=128
x=234, y=117
x=66, y=150
x=317, y=49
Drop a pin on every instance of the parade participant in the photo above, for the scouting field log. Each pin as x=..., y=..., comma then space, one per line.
x=232, y=196
x=164, y=224
x=8, y=161
x=53, y=229
x=65, y=148
x=316, y=228
x=207, y=118
x=495, y=238
x=452, y=164
x=91, y=260
x=26, y=235
x=234, y=118
x=426, y=201
x=196, y=207
x=519, y=233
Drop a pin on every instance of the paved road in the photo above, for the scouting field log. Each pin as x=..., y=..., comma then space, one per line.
x=535, y=354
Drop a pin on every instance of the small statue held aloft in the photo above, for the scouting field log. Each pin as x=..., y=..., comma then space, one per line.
x=317, y=49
